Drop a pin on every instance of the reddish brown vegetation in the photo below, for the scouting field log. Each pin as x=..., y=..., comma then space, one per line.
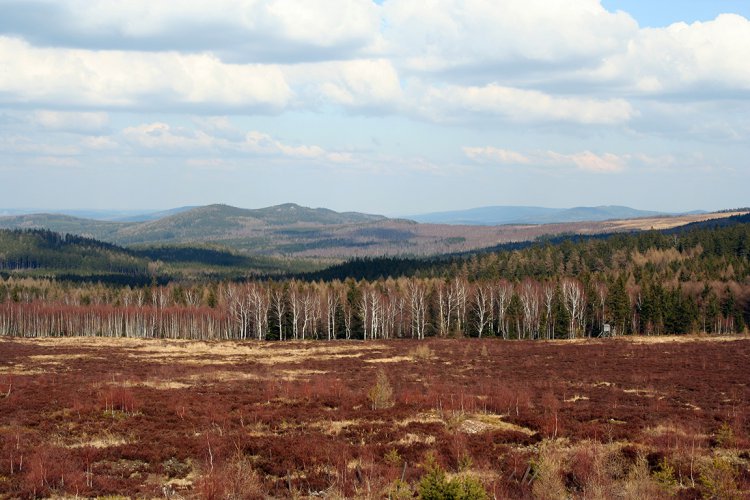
x=148, y=418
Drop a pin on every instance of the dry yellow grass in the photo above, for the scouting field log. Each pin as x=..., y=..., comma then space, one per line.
x=411, y=438
x=106, y=440
x=393, y=359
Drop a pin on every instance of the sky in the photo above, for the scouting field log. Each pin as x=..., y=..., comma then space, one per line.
x=395, y=107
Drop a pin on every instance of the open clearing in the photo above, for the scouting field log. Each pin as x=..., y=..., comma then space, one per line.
x=149, y=418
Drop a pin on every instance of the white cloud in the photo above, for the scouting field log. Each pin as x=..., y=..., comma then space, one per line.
x=590, y=162
x=702, y=59
x=358, y=84
x=249, y=30
x=116, y=79
x=496, y=155
x=448, y=61
x=520, y=105
x=162, y=138
x=438, y=35
x=586, y=160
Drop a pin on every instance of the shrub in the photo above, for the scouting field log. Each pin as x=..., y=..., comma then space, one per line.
x=393, y=458
x=547, y=471
x=724, y=436
x=381, y=394
x=435, y=486
x=665, y=475
x=422, y=352
x=400, y=490
x=235, y=480
x=718, y=480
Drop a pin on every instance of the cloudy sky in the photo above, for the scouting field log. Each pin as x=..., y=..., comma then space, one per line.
x=394, y=107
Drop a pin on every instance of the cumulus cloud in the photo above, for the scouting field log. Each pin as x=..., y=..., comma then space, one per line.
x=703, y=59
x=162, y=138
x=241, y=30
x=447, y=61
x=585, y=160
x=522, y=105
x=440, y=35
x=116, y=79
x=361, y=83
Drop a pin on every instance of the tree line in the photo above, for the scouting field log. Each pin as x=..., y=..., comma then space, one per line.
x=413, y=307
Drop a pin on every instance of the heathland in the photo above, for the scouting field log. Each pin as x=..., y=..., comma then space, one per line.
x=609, y=365
x=654, y=417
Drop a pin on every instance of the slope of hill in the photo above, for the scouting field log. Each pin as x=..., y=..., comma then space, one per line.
x=147, y=216
x=292, y=231
x=657, y=250
x=90, y=228
x=45, y=251
x=491, y=216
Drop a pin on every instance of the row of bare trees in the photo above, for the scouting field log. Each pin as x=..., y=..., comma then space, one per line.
x=297, y=310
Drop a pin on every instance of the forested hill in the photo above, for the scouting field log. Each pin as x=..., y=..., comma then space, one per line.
x=46, y=251
x=43, y=253
x=707, y=250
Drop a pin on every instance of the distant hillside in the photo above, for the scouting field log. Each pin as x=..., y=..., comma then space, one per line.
x=727, y=237
x=104, y=215
x=281, y=229
x=46, y=252
x=66, y=224
x=143, y=217
x=492, y=216
x=43, y=253
x=291, y=231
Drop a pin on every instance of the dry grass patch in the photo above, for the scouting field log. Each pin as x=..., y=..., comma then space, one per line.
x=576, y=397
x=393, y=359
x=157, y=384
x=300, y=373
x=412, y=438
x=495, y=422
x=106, y=440
x=224, y=376
x=421, y=418
x=334, y=427
x=646, y=393
x=21, y=369
x=676, y=339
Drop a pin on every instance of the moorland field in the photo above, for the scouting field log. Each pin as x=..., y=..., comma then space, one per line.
x=200, y=372
x=642, y=417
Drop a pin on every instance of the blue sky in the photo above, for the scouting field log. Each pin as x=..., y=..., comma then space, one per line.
x=398, y=107
x=657, y=14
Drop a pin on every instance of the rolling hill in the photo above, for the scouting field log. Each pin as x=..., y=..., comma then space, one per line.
x=293, y=231
x=44, y=253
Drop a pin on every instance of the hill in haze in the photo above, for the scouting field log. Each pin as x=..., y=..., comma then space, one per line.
x=492, y=216
x=293, y=231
